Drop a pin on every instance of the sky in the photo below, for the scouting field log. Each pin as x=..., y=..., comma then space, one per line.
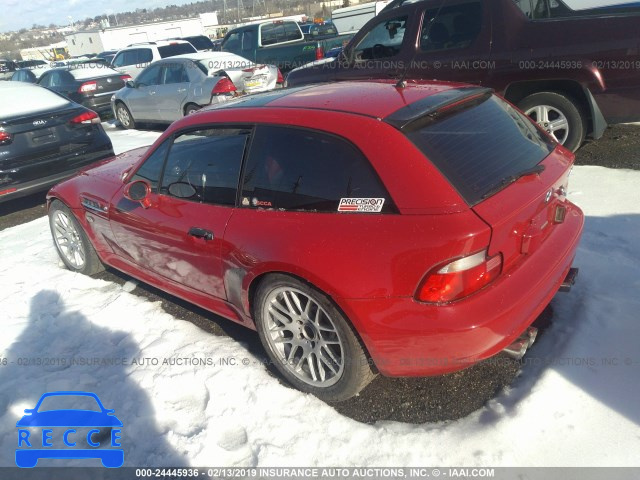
x=44, y=12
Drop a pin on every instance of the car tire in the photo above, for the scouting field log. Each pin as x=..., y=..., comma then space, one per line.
x=309, y=340
x=191, y=108
x=123, y=114
x=71, y=242
x=558, y=114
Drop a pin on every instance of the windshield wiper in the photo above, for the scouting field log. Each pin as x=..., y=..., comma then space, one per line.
x=538, y=169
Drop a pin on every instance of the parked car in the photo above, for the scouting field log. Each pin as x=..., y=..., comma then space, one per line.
x=318, y=31
x=572, y=71
x=174, y=87
x=136, y=57
x=279, y=42
x=24, y=75
x=7, y=67
x=202, y=43
x=90, y=84
x=283, y=212
x=44, y=138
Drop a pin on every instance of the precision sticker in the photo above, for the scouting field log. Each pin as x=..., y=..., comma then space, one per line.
x=260, y=203
x=367, y=205
x=245, y=201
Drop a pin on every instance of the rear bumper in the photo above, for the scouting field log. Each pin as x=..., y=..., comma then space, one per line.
x=407, y=338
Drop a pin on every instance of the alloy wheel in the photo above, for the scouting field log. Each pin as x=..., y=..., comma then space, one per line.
x=552, y=120
x=303, y=336
x=68, y=240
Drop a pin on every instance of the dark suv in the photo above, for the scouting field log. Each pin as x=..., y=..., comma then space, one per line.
x=572, y=70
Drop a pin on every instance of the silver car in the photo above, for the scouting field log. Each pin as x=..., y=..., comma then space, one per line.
x=171, y=88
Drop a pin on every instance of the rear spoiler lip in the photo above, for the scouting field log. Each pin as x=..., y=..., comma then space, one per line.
x=404, y=118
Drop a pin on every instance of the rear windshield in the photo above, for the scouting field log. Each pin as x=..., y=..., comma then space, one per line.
x=176, y=49
x=477, y=149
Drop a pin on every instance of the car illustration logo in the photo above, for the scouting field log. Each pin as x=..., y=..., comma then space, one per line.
x=73, y=428
x=39, y=123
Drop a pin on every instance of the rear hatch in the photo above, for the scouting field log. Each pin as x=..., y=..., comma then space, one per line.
x=510, y=172
x=99, y=82
x=39, y=140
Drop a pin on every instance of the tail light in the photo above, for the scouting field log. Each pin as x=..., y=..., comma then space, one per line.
x=319, y=52
x=5, y=138
x=460, y=278
x=87, y=87
x=224, y=85
x=86, y=118
x=125, y=78
x=280, y=77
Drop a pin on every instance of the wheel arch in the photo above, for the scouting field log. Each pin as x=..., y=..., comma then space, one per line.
x=255, y=282
x=596, y=124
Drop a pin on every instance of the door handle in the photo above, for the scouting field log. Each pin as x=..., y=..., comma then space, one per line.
x=180, y=90
x=201, y=233
x=152, y=92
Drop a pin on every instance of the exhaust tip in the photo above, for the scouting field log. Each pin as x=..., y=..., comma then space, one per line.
x=570, y=280
x=517, y=349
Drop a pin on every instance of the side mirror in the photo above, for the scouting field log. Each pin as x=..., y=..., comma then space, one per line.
x=130, y=84
x=138, y=191
x=29, y=410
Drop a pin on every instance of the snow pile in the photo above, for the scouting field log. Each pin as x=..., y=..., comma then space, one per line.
x=567, y=408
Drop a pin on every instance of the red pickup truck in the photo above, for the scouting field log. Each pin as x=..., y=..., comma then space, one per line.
x=571, y=67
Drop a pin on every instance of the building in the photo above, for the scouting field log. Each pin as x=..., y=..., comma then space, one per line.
x=115, y=38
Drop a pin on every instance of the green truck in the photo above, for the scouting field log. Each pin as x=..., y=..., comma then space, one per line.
x=280, y=43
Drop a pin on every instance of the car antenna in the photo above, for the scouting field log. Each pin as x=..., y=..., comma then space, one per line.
x=401, y=82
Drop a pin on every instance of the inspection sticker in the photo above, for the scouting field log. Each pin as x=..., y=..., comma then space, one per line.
x=369, y=205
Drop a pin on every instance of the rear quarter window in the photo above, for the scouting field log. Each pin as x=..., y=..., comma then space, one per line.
x=478, y=147
x=298, y=169
x=176, y=49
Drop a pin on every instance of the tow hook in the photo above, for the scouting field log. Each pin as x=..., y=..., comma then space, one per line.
x=569, y=280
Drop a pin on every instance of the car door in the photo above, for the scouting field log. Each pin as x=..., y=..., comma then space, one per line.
x=172, y=91
x=60, y=82
x=141, y=99
x=179, y=236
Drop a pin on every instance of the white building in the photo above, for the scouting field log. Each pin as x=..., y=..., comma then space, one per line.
x=115, y=38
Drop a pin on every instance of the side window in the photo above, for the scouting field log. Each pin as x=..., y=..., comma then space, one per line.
x=297, y=169
x=118, y=61
x=145, y=55
x=247, y=40
x=204, y=165
x=151, y=169
x=454, y=27
x=537, y=9
x=174, y=73
x=383, y=41
x=272, y=33
x=45, y=80
x=130, y=57
x=292, y=32
x=233, y=41
x=149, y=76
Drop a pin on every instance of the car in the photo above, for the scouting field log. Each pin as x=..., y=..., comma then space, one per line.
x=89, y=84
x=7, y=67
x=570, y=65
x=44, y=138
x=359, y=227
x=174, y=87
x=31, y=63
x=107, y=55
x=92, y=414
x=133, y=59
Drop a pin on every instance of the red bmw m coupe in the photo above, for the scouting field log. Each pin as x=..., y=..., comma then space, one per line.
x=361, y=227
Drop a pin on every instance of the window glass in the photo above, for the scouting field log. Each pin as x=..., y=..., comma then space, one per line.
x=45, y=80
x=297, y=169
x=537, y=9
x=174, y=73
x=465, y=148
x=232, y=43
x=204, y=165
x=118, y=61
x=130, y=57
x=174, y=49
x=292, y=32
x=145, y=55
x=383, y=41
x=149, y=76
x=247, y=40
x=455, y=27
x=151, y=169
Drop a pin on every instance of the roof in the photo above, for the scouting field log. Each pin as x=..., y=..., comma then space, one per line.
x=371, y=98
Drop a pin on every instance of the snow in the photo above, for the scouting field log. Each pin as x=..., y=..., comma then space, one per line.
x=567, y=408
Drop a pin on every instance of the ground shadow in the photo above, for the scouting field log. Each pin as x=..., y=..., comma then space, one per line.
x=61, y=350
